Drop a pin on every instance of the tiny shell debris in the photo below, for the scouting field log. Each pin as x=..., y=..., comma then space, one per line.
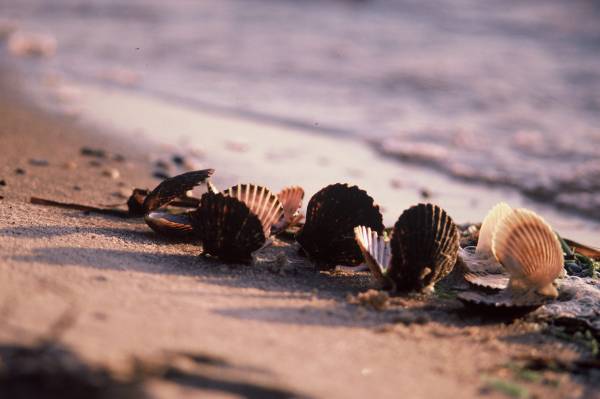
x=24, y=44
x=374, y=299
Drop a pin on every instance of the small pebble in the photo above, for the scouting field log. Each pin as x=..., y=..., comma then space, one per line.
x=425, y=193
x=118, y=158
x=70, y=165
x=112, y=173
x=178, y=160
x=95, y=163
x=76, y=188
x=38, y=162
x=1, y=197
x=161, y=164
x=19, y=171
x=2, y=183
x=93, y=152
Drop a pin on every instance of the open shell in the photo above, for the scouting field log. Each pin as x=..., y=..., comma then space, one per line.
x=530, y=251
x=486, y=233
x=424, y=248
x=177, y=225
x=332, y=214
x=483, y=271
x=175, y=187
x=261, y=201
x=227, y=228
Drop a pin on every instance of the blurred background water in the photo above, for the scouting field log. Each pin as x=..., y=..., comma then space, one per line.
x=502, y=93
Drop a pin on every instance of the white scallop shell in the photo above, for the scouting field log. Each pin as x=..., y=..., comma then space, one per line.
x=492, y=219
x=261, y=201
x=530, y=251
x=376, y=251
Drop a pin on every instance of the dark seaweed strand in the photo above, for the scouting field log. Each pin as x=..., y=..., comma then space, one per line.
x=174, y=187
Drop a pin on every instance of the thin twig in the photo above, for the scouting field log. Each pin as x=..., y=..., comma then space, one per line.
x=86, y=208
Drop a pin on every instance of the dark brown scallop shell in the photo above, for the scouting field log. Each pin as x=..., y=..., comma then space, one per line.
x=135, y=202
x=328, y=233
x=424, y=245
x=175, y=187
x=261, y=201
x=227, y=228
x=170, y=224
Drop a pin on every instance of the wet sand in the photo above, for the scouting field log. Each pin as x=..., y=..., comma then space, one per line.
x=292, y=332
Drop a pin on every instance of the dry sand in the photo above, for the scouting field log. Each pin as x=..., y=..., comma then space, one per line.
x=263, y=332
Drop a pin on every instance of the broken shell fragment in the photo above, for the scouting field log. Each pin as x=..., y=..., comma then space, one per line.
x=327, y=236
x=291, y=200
x=227, y=228
x=529, y=250
x=377, y=253
x=261, y=202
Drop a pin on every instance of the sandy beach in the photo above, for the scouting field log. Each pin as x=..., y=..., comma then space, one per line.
x=262, y=331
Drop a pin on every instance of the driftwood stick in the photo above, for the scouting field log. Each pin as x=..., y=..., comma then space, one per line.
x=86, y=208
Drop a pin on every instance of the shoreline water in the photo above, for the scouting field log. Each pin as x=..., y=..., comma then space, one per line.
x=279, y=155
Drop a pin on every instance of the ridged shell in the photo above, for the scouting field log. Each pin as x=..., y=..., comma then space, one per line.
x=174, y=187
x=261, y=201
x=291, y=200
x=483, y=271
x=170, y=224
x=530, y=251
x=486, y=233
x=425, y=246
x=227, y=228
x=376, y=250
x=328, y=233
x=501, y=301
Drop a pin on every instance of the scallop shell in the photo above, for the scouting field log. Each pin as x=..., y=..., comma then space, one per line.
x=501, y=302
x=170, y=224
x=227, y=228
x=174, y=187
x=291, y=200
x=483, y=271
x=530, y=251
x=376, y=251
x=328, y=233
x=491, y=220
x=261, y=201
x=425, y=246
